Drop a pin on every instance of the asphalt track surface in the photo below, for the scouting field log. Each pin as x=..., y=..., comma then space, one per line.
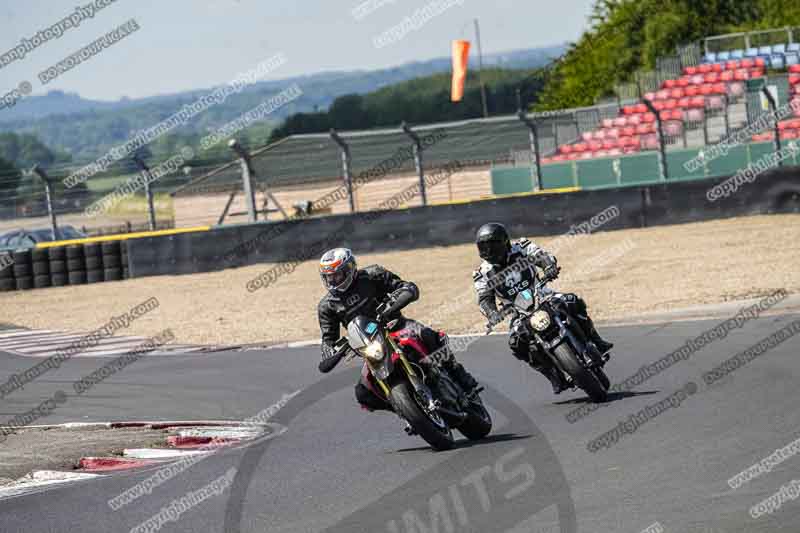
x=337, y=468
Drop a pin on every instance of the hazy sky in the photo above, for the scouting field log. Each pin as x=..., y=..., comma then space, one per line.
x=192, y=44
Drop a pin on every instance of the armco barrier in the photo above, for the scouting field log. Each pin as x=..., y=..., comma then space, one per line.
x=541, y=214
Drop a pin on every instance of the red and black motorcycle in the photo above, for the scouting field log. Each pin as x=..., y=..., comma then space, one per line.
x=401, y=371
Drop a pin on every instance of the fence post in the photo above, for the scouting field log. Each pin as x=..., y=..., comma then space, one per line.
x=417, y=161
x=662, y=149
x=148, y=192
x=533, y=132
x=346, y=168
x=727, y=116
x=48, y=187
x=773, y=106
x=247, y=178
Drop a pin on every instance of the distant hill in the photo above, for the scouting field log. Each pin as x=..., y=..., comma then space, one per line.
x=85, y=129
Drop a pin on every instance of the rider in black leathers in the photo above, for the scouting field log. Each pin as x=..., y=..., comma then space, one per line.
x=498, y=254
x=353, y=292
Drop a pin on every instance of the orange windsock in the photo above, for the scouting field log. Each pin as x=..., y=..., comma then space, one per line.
x=460, y=60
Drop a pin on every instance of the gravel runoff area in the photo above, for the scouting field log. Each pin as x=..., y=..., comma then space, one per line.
x=61, y=449
x=621, y=274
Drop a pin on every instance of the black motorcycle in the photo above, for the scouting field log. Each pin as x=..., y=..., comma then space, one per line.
x=558, y=335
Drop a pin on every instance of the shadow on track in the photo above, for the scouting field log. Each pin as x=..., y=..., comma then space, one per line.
x=612, y=397
x=466, y=443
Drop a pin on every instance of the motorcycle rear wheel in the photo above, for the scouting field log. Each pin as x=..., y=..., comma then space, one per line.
x=405, y=403
x=585, y=379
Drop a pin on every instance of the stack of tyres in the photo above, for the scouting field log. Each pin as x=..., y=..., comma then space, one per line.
x=94, y=262
x=112, y=260
x=58, y=266
x=40, y=264
x=7, y=282
x=76, y=264
x=23, y=270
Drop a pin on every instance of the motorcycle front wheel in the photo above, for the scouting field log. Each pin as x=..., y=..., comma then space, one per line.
x=435, y=432
x=585, y=379
x=478, y=423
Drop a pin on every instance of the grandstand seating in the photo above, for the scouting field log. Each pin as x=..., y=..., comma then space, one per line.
x=684, y=101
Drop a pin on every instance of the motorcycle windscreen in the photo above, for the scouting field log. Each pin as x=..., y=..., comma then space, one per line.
x=524, y=300
x=360, y=331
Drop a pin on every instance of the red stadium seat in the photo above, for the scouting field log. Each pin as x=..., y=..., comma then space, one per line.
x=580, y=147
x=794, y=79
x=784, y=125
x=669, y=84
x=690, y=71
x=711, y=77
x=547, y=160
x=615, y=152
x=736, y=89
x=608, y=144
x=732, y=65
x=717, y=67
x=608, y=123
x=573, y=157
x=650, y=142
x=795, y=69
x=670, y=104
x=676, y=93
x=565, y=149
x=595, y=146
x=633, y=120
x=641, y=108
x=629, y=110
x=587, y=155
x=720, y=88
x=684, y=81
x=619, y=122
x=756, y=73
x=695, y=115
x=716, y=102
x=612, y=133
x=728, y=75
x=557, y=158
x=705, y=68
x=643, y=129
x=627, y=131
x=663, y=94
x=600, y=134
x=697, y=102
x=673, y=127
x=587, y=136
x=760, y=62
x=763, y=137
x=675, y=114
x=748, y=63
x=693, y=90
x=684, y=102
x=650, y=96
x=631, y=149
x=789, y=135
x=648, y=118
x=741, y=75
x=706, y=89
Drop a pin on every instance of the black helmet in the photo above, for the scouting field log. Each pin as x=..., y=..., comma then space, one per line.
x=493, y=243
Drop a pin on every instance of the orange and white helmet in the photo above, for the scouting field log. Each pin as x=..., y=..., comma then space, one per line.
x=337, y=268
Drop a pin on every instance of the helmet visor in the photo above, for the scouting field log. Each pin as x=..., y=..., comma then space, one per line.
x=493, y=251
x=339, y=279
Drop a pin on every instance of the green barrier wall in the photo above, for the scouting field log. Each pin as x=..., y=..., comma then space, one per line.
x=637, y=169
x=511, y=180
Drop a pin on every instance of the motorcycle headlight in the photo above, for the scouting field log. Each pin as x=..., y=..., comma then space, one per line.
x=540, y=320
x=373, y=351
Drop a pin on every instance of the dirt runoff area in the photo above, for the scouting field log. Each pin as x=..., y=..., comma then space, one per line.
x=60, y=448
x=621, y=274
